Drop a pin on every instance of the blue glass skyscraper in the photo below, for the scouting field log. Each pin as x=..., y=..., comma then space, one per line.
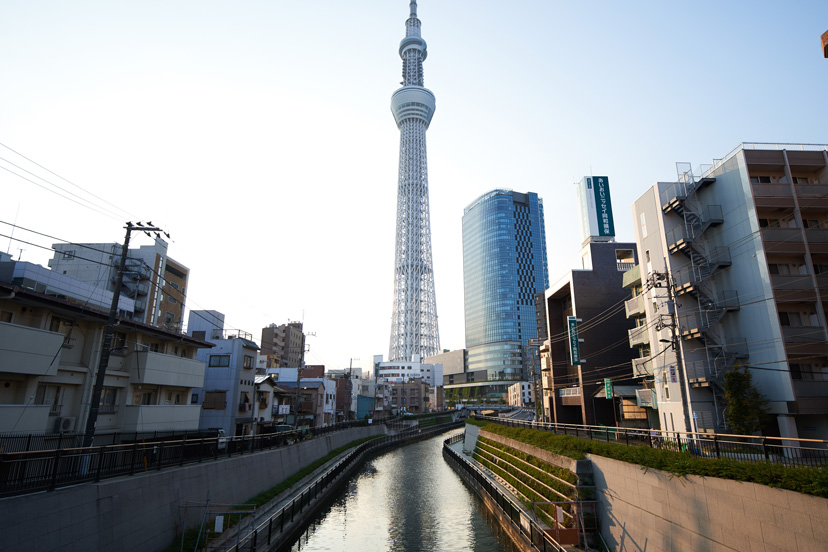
x=504, y=266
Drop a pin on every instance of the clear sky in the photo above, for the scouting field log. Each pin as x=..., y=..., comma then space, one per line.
x=258, y=133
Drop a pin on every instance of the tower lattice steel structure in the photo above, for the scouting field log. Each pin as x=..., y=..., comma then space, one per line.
x=414, y=320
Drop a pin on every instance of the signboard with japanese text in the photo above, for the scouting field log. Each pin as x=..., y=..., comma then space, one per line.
x=607, y=388
x=574, y=344
x=596, y=208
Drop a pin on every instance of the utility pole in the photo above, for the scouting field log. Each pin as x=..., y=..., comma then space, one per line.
x=299, y=375
x=664, y=280
x=350, y=389
x=106, y=348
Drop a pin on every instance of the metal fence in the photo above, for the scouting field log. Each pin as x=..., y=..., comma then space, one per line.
x=742, y=448
x=25, y=472
x=518, y=519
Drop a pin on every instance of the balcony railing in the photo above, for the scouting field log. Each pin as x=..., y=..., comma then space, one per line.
x=151, y=368
x=635, y=306
x=642, y=367
x=638, y=336
x=646, y=398
x=31, y=351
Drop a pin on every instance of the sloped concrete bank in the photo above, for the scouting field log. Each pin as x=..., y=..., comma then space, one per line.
x=142, y=512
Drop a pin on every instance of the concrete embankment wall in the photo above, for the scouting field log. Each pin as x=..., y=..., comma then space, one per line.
x=142, y=512
x=654, y=511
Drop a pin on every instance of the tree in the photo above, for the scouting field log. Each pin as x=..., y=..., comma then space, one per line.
x=745, y=408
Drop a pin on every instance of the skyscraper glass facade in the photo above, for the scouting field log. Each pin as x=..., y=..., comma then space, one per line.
x=504, y=265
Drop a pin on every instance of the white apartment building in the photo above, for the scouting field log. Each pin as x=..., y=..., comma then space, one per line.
x=733, y=263
x=521, y=394
x=50, y=346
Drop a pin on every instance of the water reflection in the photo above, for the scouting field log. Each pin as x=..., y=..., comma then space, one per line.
x=406, y=500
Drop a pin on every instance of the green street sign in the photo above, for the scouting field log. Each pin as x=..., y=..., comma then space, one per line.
x=607, y=388
x=574, y=344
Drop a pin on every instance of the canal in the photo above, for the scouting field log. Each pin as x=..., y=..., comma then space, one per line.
x=406, y=500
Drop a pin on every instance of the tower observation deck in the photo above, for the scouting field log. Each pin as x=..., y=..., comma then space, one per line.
x=414, y=319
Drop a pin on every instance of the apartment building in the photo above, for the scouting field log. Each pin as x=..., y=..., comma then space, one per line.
x=156, y=283
x=734, y=271
x=521, y=394
x=50, y=345
x=227, y=396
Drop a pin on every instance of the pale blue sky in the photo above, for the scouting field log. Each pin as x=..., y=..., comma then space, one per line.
x=250, y=126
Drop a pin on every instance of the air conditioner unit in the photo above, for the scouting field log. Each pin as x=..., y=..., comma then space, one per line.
x=65, y=425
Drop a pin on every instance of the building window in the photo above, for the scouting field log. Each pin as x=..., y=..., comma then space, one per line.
x=109, y=400
x=174, y=285
x=70, y=254
x=219, y=361
x=194, y=398
x=172, y=299
x=247, y=362
x=760, y=180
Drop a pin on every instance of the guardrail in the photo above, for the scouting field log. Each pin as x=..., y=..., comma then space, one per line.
x=274, y=525
x=742, y=448
x=46, y=470
x=520, y=522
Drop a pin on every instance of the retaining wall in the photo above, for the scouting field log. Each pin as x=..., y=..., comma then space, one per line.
x=142, y=512
x=655, y=511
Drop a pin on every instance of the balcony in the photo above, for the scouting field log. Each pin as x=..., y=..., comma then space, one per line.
x=811, y=397
x=29, y=351
x=791, y=287
x=646, y=398
x=817, y=239
x=635, y=307
x=19, y=418
x=638, y=336
x=179, y=417
x=804, y=340
x=783, y=240
x=642, y=367
x=159, y=369
x=570, y=396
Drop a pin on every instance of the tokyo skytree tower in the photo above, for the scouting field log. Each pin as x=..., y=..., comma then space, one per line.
x=414, y=320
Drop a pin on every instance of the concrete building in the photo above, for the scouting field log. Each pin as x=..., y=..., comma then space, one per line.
x=399, y=372
x=228, y=393
x=154, y=281
x=412, y=396
x=733, y=263
x=50, y=346
x=504, y=266
x=521, y=393
x=284, y=345
x=594, y=295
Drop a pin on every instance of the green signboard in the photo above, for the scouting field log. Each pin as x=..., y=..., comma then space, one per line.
x=574, y=344
x=607, y=388
x=603, y=205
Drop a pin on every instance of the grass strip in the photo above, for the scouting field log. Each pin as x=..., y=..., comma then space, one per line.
x=813, y=481
x=264, y=497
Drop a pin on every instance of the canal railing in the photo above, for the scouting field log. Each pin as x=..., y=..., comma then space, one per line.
x=742, y=448
x=272, y=529
x=46, y=470
x=520, y=522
